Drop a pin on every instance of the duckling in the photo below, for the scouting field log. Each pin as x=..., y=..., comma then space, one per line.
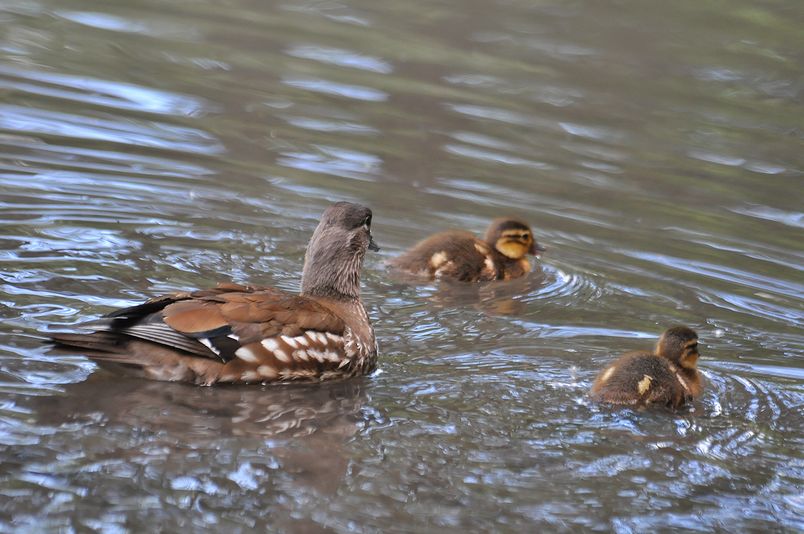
x=459, y=255
x=669, y=376
x=243, y=334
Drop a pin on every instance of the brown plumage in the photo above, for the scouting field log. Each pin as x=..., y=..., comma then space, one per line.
x=242, y=334
x=668, y=377
x=459, y=255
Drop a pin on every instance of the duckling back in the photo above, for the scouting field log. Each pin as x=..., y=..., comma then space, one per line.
x=453, y=254
x=641, y=379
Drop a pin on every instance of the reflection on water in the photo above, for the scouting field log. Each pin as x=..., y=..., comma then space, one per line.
x=147, y=148
x=186, y=443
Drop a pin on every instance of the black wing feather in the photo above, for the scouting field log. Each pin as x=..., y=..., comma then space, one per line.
x=164, y=335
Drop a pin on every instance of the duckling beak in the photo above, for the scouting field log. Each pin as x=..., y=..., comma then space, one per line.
x=372, y=245
x=536, y=249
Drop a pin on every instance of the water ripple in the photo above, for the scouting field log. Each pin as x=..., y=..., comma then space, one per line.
x=334, y=160
x=322, y=125
x=147, y=134
x=356, y=92
x=722, y=272
x=794, y=219
x=96, y=92
x=557, y=285
x=105, y=21
x=486, y=112
x=494, y=157
x=341, y=58
x=755, y=306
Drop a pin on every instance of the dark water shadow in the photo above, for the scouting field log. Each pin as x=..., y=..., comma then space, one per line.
x=279, y=411
x=303, y=430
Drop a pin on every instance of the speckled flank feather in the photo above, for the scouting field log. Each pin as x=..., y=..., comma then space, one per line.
x=243, y=334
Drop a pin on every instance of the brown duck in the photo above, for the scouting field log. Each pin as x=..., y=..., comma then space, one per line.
x=668, y=377
x=244, y=334
x=459, y=255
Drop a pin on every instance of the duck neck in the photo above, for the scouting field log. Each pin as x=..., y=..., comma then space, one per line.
x=330, y=273
x=344, y=288
x=687, y=372
x=510, y=267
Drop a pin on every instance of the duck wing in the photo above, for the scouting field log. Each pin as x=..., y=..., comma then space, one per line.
x=231, y=333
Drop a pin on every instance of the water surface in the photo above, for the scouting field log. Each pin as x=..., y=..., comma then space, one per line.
x=655, y=148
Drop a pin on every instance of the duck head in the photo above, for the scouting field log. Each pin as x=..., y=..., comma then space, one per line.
x=512, y=238
x=335, y=253
x=679, y=344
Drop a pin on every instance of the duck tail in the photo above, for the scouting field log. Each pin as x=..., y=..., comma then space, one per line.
x=95, y=341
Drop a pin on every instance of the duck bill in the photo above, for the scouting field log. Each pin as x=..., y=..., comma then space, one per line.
x=536, y=249
x=372, y=245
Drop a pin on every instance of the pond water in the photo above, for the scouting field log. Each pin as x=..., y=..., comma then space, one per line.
x=656, y=148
